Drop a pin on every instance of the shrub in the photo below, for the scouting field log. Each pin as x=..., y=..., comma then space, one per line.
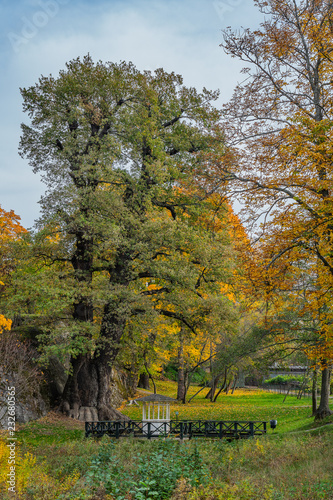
x=171, y=372
x=284, y=379
x=198, y=376
x=155, y=472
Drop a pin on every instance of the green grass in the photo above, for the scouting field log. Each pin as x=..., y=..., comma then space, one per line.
x=295, y=462
x=291, y=415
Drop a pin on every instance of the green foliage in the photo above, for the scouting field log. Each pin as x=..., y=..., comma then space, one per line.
x=198, y=376
x=130, y=229
x=105, y=470
x=284, y=379
x=154, y=473
x=171, y=371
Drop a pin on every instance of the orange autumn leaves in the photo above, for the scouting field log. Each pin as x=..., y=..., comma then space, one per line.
x=281, y=118
x=10, y=230
x=10, y=226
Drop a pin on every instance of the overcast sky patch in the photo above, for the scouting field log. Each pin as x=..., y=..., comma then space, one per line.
x=40, y=36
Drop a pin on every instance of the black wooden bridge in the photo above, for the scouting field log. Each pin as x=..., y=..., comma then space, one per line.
x=177, y=428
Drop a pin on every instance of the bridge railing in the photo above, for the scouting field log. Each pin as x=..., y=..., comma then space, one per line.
x=178, y=428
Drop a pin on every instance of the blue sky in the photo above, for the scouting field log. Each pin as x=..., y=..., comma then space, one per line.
x=39, y=36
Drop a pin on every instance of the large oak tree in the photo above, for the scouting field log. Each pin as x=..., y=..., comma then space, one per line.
x=127, y=207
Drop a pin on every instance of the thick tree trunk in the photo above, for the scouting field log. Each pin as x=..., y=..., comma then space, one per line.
x=144, y=381
x=89, y=384
x=103, y=369
x=181, y=389
x=323, y=410
x=71, y=400
x=87, y=392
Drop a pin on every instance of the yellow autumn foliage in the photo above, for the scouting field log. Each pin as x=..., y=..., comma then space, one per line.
x=29, y=473
x=5, y=324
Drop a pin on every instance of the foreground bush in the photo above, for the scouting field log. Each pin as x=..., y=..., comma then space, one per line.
x=154, y=473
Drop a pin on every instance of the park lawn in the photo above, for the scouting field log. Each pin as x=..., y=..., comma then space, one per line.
x=244, y=404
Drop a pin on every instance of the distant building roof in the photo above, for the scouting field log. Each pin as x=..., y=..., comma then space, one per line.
x=156, y=398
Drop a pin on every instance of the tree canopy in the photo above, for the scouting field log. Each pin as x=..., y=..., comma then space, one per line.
x=129, y=220
x=279, y=123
